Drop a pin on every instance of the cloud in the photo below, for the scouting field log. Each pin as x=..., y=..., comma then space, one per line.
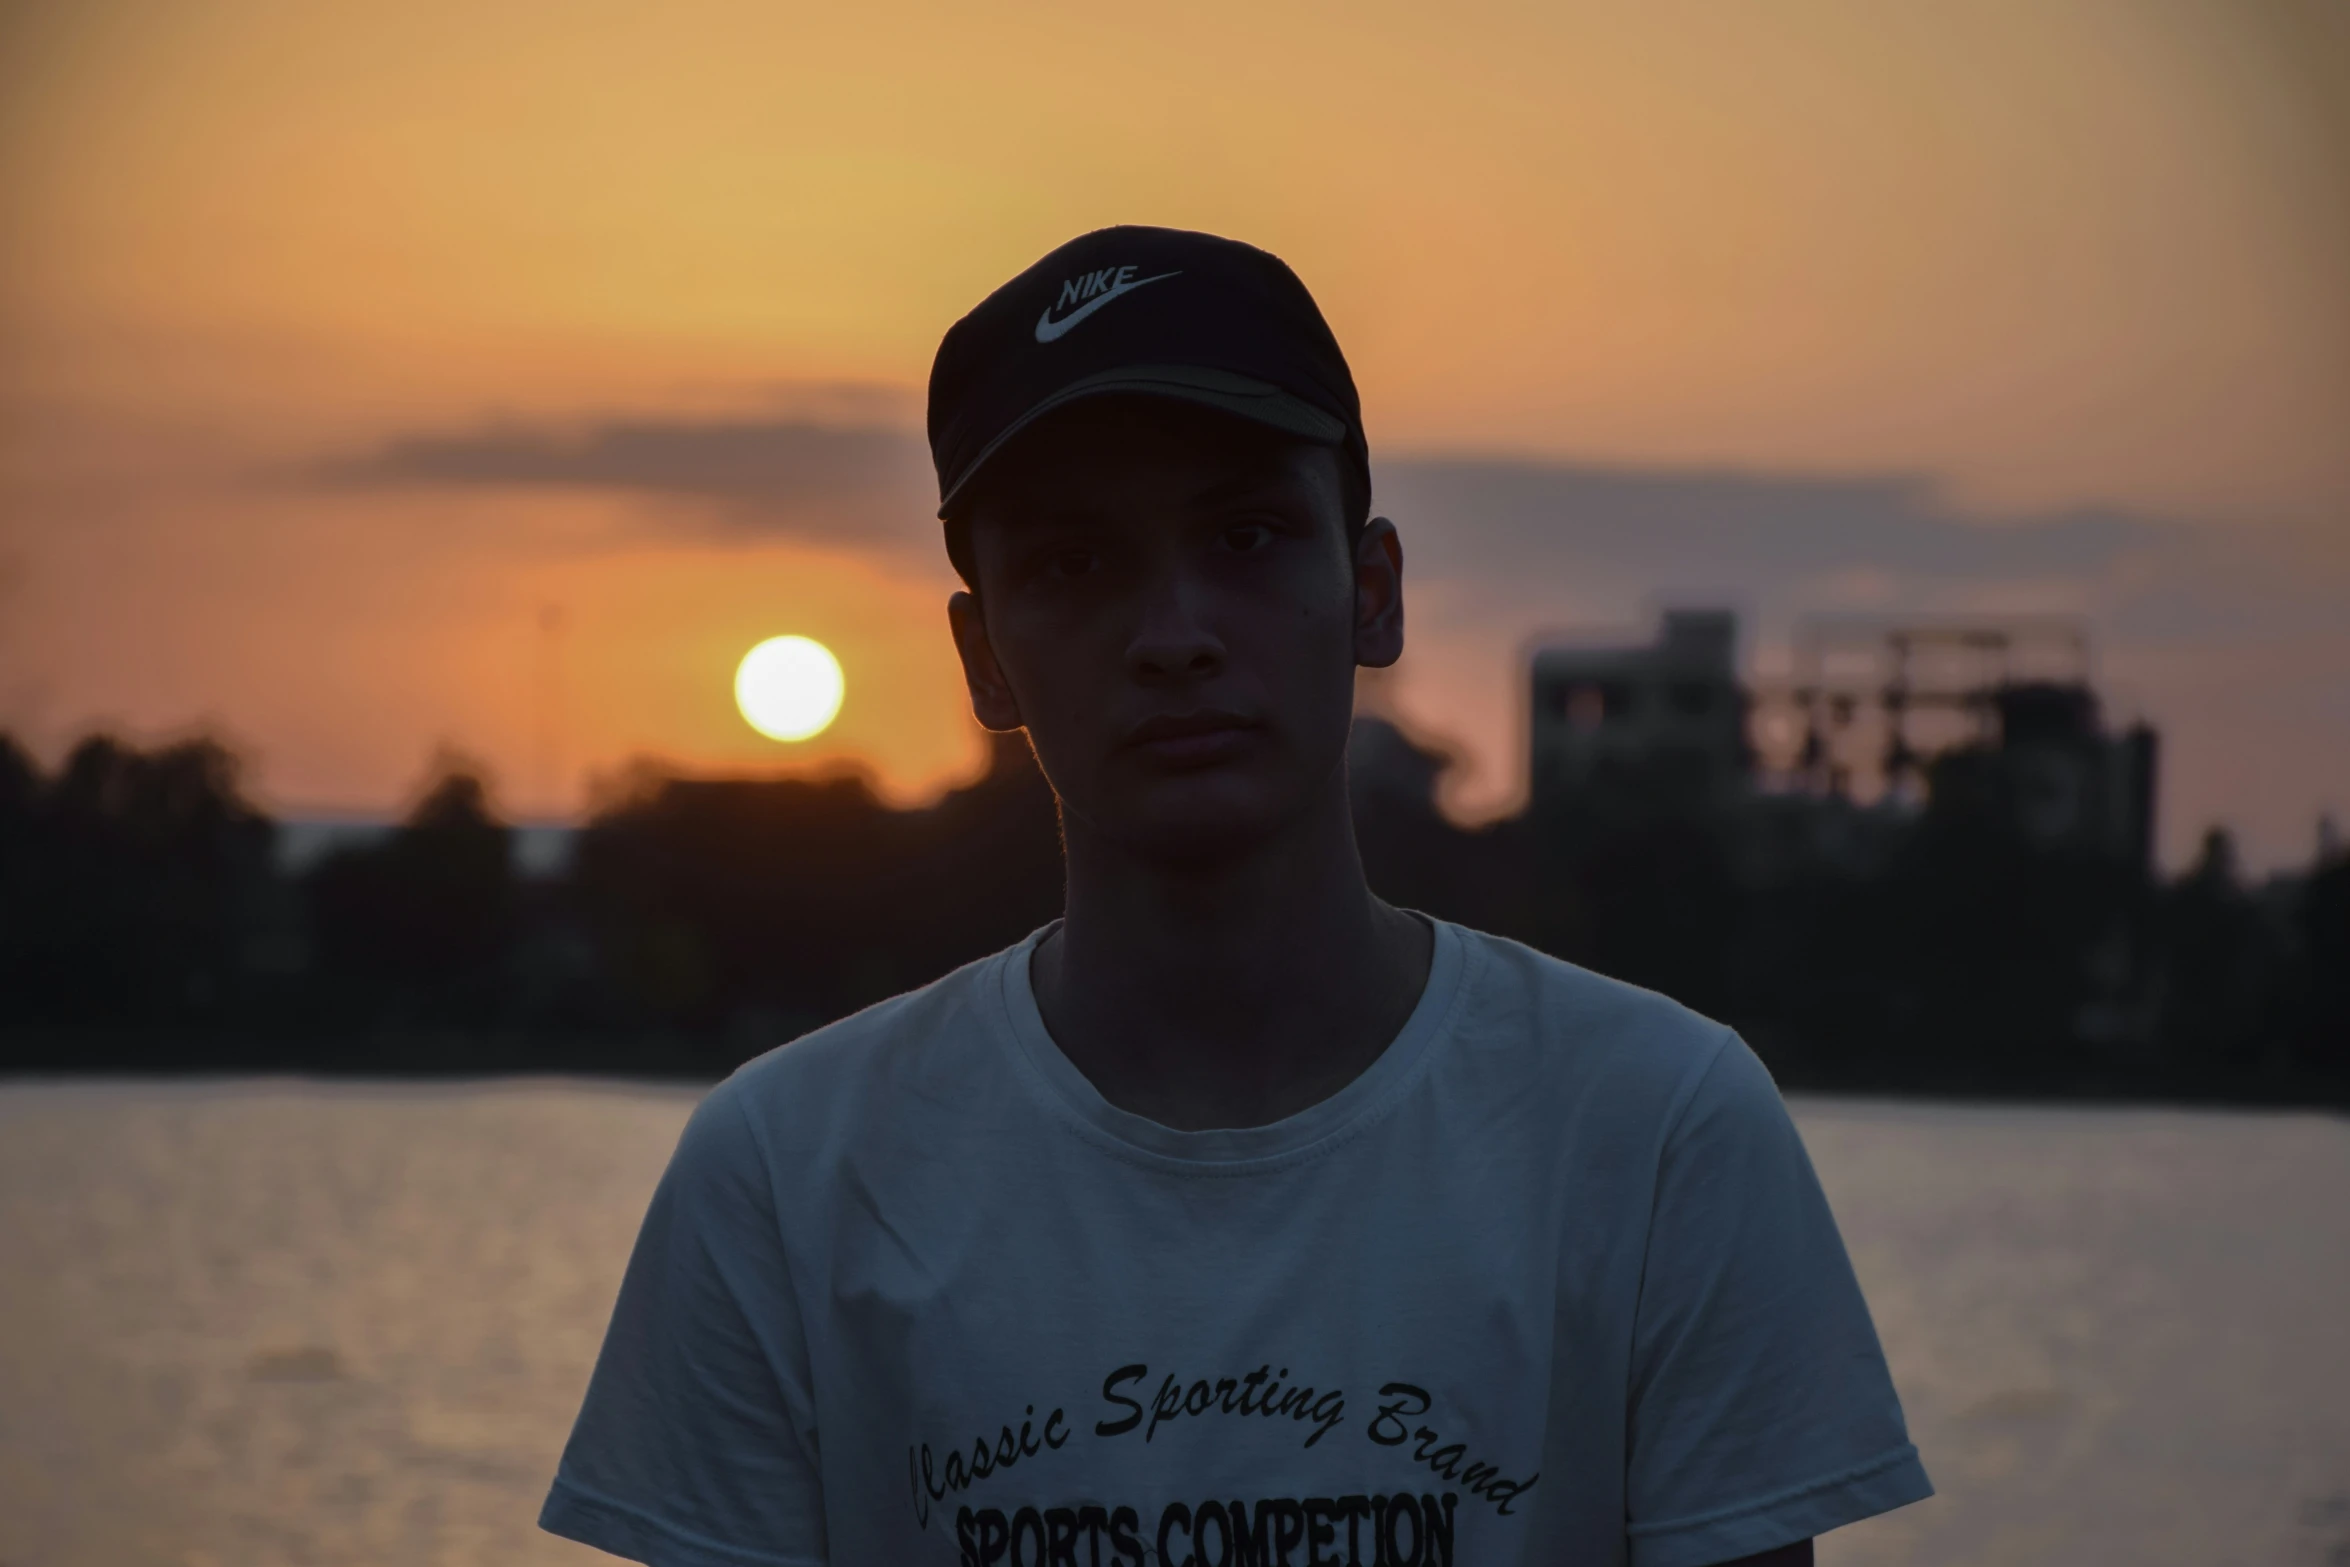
x=793, y=476
x=1503, y=519
x=1511, y=518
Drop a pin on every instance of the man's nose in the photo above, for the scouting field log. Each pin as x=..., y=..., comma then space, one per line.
x=1175, y=638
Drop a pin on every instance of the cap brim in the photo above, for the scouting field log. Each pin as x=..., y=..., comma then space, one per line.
x=1257, y=401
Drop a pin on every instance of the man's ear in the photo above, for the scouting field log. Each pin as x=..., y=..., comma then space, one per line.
x=992, y=702
x=1378, y=595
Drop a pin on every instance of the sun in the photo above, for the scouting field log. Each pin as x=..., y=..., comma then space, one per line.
x=788, y=688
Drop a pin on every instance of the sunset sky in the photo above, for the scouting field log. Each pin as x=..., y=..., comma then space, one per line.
x=382, y=378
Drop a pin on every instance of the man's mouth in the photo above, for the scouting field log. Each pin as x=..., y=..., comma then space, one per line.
x=1195, y=739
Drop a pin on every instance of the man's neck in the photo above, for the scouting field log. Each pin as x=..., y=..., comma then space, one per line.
x=1231, y=993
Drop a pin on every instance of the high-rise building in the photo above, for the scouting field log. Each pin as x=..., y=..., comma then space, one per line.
x=1668, y=716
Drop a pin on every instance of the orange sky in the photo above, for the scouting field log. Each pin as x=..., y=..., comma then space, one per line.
x=2046, y=256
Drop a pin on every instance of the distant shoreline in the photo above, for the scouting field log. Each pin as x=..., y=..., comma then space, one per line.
x=2286, y=1100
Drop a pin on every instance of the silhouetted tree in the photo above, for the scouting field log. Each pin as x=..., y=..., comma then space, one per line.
x=134, y=890
x=2222, y=960
x=417, y=930
x=1633, y=879
x=1417, y=859
x=763, y=907
x=2324, y=1045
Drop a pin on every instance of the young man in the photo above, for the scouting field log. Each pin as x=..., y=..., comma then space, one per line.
x=1236, y=1217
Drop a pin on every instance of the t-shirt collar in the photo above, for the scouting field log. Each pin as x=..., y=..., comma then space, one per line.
x=1041, y=1063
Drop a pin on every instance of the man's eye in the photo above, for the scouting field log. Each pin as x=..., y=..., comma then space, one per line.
x=1069, y=563
x=1243, y=537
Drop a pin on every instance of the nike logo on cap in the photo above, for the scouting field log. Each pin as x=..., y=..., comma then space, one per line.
x=1089, y=293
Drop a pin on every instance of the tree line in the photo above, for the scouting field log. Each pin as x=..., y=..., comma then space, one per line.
x=148, y=923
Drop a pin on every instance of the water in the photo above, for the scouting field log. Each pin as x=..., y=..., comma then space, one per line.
x=260, y=1323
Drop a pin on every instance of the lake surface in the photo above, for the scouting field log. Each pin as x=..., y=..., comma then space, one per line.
x=255, y=1323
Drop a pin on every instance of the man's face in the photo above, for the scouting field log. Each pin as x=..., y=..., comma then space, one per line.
x=1169, y=604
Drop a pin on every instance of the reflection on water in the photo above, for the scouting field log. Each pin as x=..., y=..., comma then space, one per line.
x=262, y=1323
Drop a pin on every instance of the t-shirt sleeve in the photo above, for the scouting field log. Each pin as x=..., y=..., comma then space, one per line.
x=696, y=1444
x=1761, y=1409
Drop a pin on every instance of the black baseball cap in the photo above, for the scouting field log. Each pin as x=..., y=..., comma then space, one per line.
x=1159, y=312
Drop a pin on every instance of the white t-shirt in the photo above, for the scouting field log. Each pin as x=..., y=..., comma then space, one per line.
x=1551, y=1282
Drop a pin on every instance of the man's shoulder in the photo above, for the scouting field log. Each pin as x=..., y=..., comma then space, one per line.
x=931, y=1045
x=1578, y=1031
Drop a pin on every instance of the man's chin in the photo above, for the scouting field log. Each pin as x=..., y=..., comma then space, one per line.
x=1197, y=819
